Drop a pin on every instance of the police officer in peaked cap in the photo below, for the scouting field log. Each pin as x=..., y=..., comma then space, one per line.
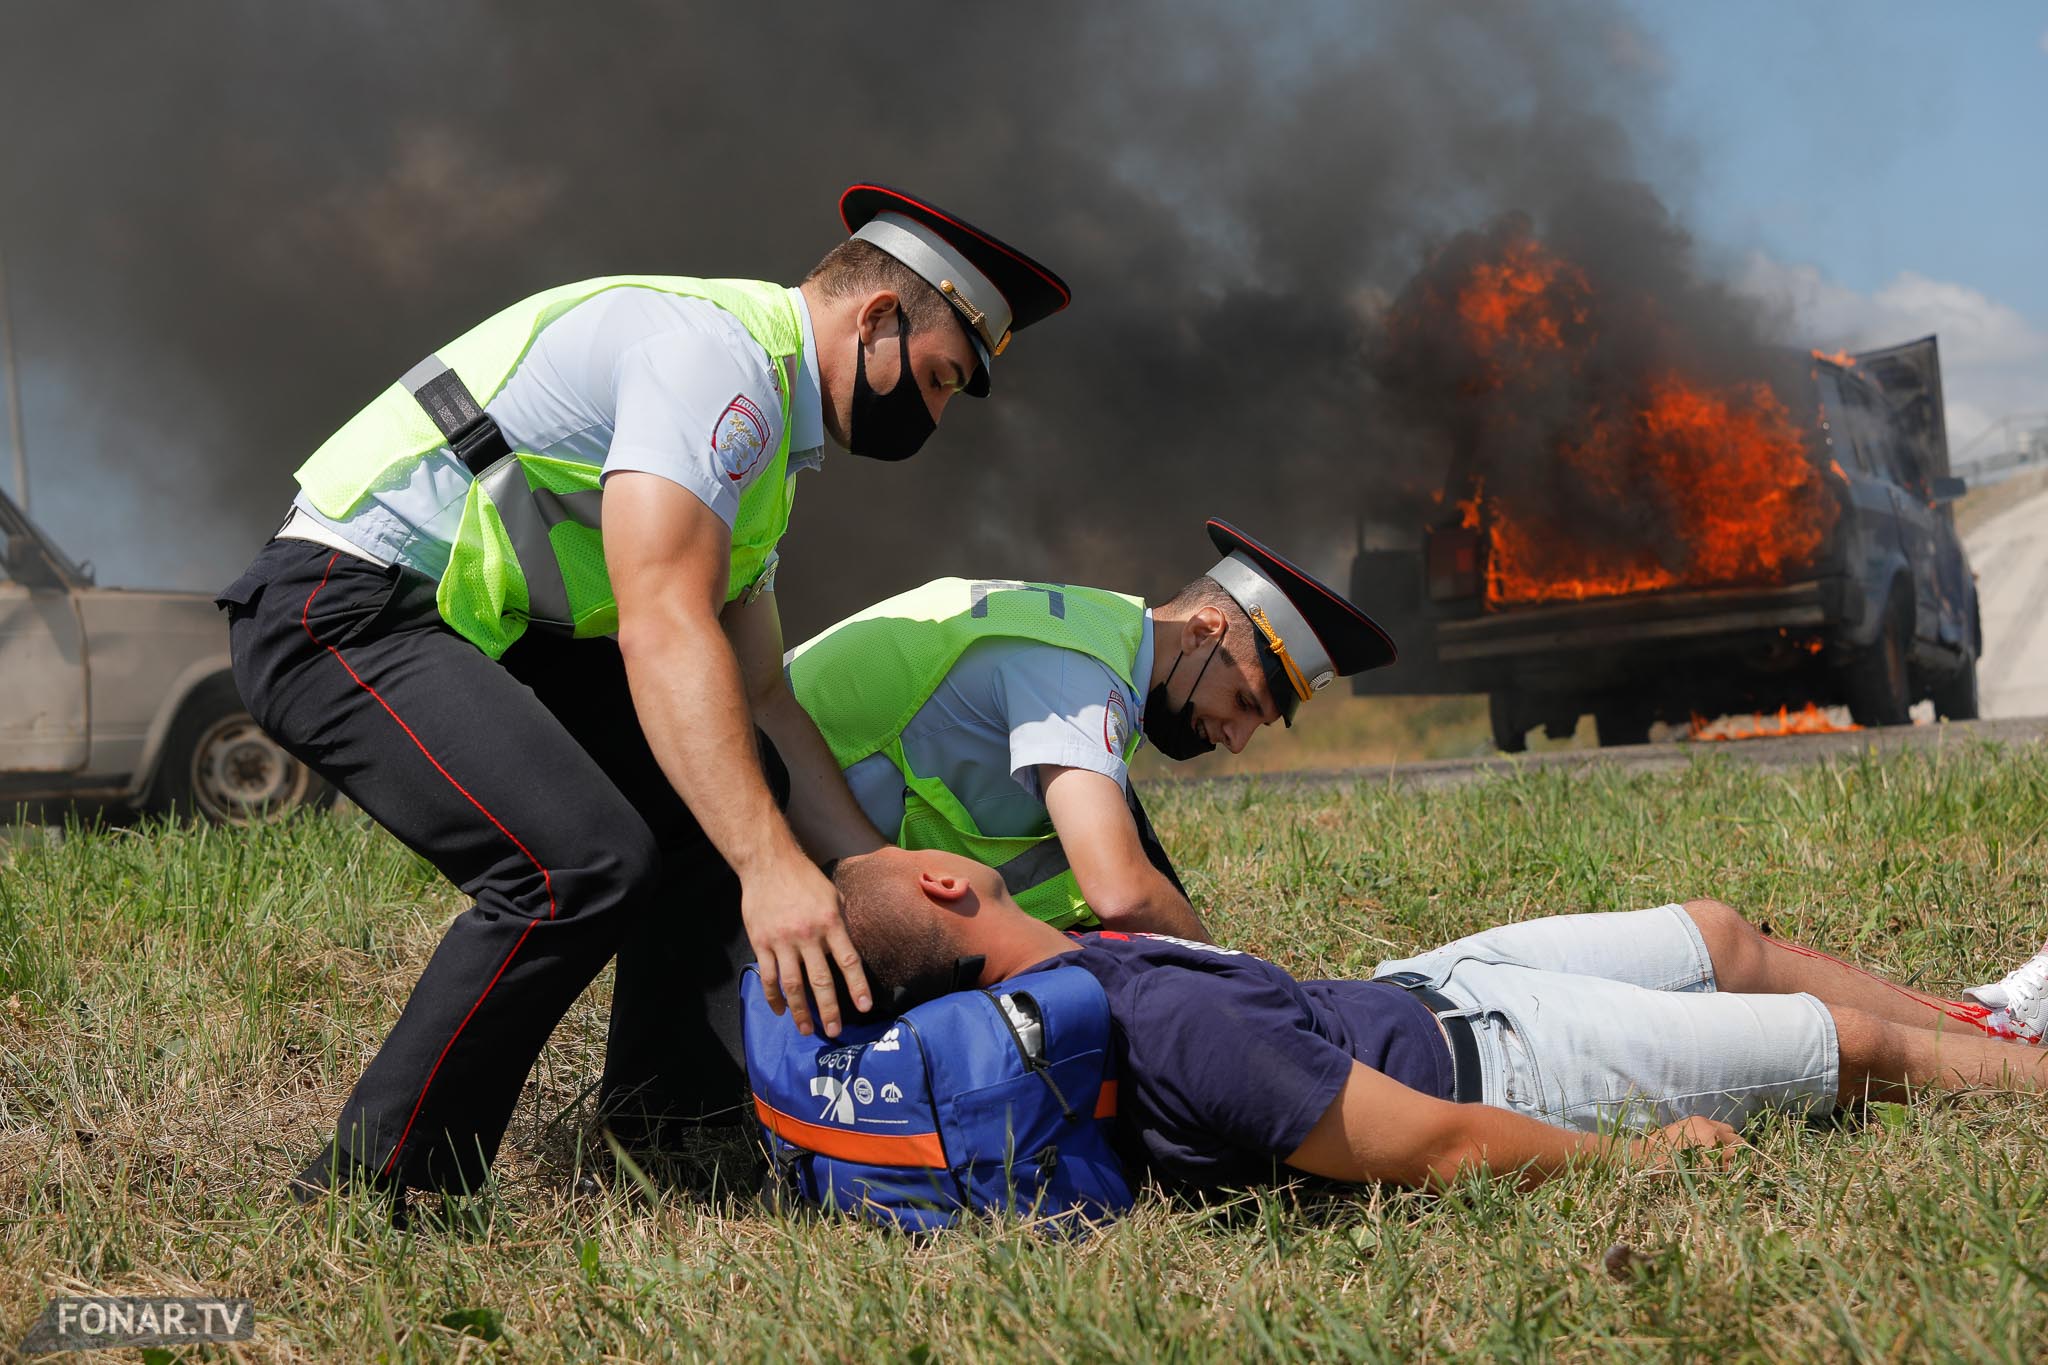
x=1006, y=718
x=522, y=613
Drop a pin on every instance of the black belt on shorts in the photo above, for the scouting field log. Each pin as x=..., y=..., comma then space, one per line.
x=1450, y=1017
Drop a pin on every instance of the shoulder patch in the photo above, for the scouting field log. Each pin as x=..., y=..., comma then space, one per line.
x=740, y=437
x=1116, y=723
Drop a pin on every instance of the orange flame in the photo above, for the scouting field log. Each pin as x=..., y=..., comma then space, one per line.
x=1526, y=304
x=1807, y=720
x=1525, y=298
x=1726, y=468
x=1468, y=508
x=1842, y=358
x=1719, y=473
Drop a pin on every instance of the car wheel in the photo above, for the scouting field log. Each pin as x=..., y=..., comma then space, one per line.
x=1955, y=697
x=1621, y=725
x=1877, y=681
x=219, y=765
x=1510, y=732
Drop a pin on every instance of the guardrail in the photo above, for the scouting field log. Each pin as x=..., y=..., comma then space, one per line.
x=2017, y=445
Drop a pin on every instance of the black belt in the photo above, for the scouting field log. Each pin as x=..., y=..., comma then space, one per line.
x=1450, y=1017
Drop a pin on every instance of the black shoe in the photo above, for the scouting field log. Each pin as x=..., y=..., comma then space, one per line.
x=666, y=1126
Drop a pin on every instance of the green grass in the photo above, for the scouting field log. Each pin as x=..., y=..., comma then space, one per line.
x=181, y=1011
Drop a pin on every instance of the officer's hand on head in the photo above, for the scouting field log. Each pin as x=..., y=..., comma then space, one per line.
x=794, y=922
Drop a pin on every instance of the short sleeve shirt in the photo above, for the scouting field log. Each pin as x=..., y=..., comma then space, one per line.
x=631, y=379
x=1225, y=1061
x=1004, y=708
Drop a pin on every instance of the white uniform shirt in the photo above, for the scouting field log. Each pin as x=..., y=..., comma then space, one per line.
x=1004, y=708
x=633, y=379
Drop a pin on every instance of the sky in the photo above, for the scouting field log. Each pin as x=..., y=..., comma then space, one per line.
x=1880, y=168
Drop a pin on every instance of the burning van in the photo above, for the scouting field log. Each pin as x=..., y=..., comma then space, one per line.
x=1645, y=530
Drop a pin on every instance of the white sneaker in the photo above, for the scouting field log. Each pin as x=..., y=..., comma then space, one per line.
x=2018, y=1004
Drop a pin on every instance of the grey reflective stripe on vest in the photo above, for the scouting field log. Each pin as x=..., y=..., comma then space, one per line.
x=1034, y=866
x=547, y=598
x=585, y=508
x=526, y=513
x=1055, y=600
x=438, y=389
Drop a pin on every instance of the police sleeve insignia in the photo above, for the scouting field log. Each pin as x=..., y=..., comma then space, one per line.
x=739, y=438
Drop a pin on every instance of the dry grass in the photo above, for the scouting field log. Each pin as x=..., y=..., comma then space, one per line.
x=1979, y=505
x=182, y=1011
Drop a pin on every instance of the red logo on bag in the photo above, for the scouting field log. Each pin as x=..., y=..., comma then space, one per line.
x=739, y=438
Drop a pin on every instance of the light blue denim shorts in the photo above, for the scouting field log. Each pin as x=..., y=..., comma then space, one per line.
x=1606, y=1021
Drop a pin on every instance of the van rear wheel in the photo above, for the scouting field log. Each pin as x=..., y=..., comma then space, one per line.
x=1877, y=681
x=1510, y=727
x=1955, y=697
x=1617, y=725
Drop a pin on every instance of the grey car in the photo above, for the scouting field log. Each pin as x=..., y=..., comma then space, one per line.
x=120, y=699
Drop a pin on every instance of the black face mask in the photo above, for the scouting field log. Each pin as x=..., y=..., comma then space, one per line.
x=892, y=425
x=1173, y=732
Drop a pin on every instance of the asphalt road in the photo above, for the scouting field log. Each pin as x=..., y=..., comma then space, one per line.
x=2010, y=554
x=1790, y=751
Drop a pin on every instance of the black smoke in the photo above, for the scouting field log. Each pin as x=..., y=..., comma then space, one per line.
x=227, y=226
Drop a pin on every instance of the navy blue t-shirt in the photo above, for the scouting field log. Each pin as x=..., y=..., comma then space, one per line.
x=1225, y=1062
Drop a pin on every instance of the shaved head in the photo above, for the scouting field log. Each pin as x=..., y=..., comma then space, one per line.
x=914, y=916
x=856, y=268
x=899, y=934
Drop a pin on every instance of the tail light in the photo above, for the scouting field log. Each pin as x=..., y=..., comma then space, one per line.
x=1454, y=570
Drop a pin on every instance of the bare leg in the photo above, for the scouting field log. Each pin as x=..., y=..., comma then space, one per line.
x=1748, y=962
x=1880, y=1058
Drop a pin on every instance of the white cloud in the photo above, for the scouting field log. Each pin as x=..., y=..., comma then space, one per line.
x=1994, y=361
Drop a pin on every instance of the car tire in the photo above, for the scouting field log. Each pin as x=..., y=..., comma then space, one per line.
x=1955, y=697
x=1877, y=680
x=218, y=765
x=1618, y=725
x=1510, y=734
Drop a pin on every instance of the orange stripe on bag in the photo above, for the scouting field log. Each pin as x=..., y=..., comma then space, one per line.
x=1105, y=1101
x=874, y=1149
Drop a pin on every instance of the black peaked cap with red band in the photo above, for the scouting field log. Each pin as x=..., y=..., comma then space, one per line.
x=1322, y=635
x=1000, y=292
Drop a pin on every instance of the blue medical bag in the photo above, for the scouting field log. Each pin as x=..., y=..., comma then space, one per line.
x=962, y=1103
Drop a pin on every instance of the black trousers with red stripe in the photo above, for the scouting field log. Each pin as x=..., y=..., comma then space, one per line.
x=528, y=783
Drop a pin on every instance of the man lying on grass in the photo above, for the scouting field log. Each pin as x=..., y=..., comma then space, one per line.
x=1515, y=1049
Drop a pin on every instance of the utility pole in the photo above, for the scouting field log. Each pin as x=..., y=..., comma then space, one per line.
x=13, y=392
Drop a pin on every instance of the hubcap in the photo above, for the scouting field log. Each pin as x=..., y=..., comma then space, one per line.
x=239, y=773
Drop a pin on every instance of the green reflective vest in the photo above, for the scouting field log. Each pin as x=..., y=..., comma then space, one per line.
x=530, y=548
x=864, y=679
